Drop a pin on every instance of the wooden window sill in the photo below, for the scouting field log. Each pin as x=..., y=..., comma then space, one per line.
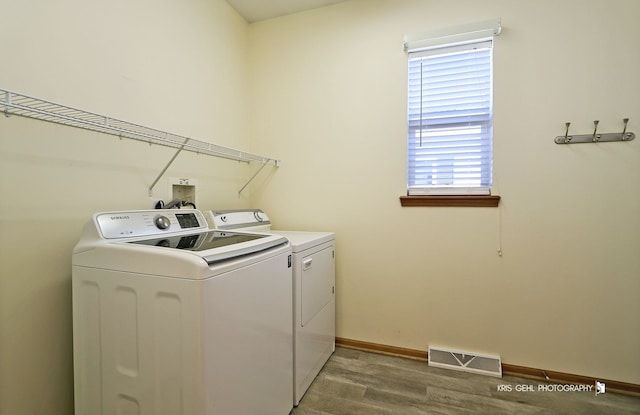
x=451, y=200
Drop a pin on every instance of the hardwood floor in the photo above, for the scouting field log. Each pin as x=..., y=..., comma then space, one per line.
x=358, y=383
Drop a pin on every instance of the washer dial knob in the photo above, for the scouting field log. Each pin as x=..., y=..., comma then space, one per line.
x=162, y=222
x=258, y=216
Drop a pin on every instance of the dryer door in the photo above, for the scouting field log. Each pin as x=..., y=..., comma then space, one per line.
x=317, y=283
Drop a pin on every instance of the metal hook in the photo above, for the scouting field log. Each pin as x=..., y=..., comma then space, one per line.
x=566, y=133
x=625, y=120
x=595, y=138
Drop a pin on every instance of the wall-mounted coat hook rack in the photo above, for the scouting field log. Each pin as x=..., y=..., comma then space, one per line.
x=595, y=137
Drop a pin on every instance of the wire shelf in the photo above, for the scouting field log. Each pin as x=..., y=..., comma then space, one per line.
x=12, y=103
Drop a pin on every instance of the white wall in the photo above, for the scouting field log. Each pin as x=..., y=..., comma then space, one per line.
x=173, y=65
x=329, y=97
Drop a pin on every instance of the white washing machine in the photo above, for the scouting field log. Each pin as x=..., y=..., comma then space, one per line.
x=313, y=290
x=170, y=317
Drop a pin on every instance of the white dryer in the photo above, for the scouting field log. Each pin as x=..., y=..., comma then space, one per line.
x=313, y=290
x=170, y=317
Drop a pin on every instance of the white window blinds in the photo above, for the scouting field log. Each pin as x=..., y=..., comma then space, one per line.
x=450, y=119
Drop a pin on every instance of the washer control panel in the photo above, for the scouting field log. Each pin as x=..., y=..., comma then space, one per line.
x=148, y=222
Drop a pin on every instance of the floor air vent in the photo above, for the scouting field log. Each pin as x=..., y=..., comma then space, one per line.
x=465, y=361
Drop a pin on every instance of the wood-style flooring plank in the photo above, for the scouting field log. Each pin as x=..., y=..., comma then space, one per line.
x=361, y=383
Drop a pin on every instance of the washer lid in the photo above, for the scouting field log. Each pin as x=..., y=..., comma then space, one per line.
x=216, y=246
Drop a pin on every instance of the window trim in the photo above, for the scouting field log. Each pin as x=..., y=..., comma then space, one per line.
x=450, y=201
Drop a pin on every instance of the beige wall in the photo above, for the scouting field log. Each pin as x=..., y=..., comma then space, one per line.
x=173, y=65
x=564, y=296
x=328, y=97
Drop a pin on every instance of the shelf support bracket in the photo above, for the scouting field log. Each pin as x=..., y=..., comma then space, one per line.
x=166, y=167
x=7, y=100
x=264, y=164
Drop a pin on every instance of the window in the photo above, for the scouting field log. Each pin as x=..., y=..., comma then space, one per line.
x=450, y=119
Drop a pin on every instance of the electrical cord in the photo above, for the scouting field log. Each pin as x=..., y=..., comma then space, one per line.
x=174, y=204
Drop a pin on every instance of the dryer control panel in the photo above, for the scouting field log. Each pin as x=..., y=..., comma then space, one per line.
x=235, y=219
x=148, y=222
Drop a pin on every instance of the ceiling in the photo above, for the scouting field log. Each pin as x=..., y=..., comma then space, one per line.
x=255, y=10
